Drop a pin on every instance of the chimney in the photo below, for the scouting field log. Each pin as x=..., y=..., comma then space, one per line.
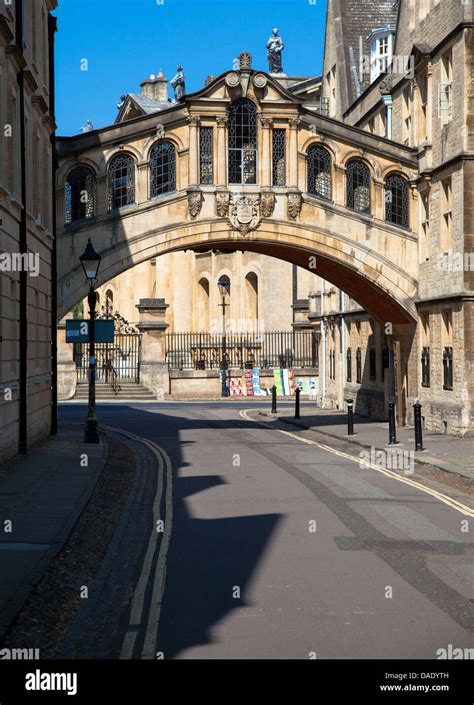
x=156, y=87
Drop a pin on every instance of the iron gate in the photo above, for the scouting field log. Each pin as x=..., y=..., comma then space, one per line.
x=120, y=359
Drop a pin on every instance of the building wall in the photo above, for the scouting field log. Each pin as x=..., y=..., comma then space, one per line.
x=33, y=59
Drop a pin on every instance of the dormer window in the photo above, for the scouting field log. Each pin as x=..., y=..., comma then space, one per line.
x=381, y=50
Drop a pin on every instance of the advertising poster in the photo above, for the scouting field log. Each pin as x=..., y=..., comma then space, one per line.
x=284, y=382
x=291, y=382
x=248, y=383
x=313, y=387
x=257, y=390
x=278, y=381
x=235, y=386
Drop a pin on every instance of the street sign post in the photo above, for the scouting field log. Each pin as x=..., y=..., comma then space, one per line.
x=77, y=331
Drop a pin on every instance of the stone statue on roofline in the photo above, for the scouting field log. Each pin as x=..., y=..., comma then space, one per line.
x=275, y=48
x=178, y=84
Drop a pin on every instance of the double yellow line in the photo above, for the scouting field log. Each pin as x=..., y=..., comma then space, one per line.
x=453, y=503
x=159, y=578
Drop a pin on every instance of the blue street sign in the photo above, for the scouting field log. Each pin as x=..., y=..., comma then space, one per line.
x=77, y=331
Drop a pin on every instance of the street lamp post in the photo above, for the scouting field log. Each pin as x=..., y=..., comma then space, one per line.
x=224, y=288
x=90, y=261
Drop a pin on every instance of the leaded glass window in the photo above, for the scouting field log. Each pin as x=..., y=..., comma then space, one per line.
x=279, y=157
x=162, y=168
x=121, y=181
x=358, y=186
x=319, y=172
x=397, y=199
x=242, y=142
x=79, y=194
x=206, y=155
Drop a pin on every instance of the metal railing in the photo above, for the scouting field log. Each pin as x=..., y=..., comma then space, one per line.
x=203, y=351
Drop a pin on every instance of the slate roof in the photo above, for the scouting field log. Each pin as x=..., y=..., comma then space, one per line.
x=358, y=19
x=148, y=105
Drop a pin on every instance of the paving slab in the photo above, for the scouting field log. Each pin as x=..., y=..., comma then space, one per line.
x=42, y=494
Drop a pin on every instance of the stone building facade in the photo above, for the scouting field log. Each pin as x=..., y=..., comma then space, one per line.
x=404, y=71
x=26, y=224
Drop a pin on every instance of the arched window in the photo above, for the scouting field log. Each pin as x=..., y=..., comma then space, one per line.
x=397, y=209
x=319, y=172
x=202, y=308
x=358, y=186
x=121, y=181
x=162, y=169
x=242, y=142
x=79, y=194
x=251, y=287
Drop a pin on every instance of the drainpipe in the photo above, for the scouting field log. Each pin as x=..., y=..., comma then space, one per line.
x=23, y=248
x=323, y=341
x=388, y=102
x=52, y=26
x=343, y=344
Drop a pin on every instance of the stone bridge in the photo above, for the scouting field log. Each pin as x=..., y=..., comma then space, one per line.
x=244, y=164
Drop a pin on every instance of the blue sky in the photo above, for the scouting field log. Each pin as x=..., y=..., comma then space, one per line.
x=124, y=41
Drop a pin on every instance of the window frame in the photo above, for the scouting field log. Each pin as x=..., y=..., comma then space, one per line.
x=153, y=181
x=130, y=189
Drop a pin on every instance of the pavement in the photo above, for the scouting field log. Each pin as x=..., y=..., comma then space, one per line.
x=42, y=494
x=449, y=453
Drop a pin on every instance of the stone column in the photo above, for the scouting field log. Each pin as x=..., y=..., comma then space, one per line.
x=293, y=157
x=193, y=121
x=152, y=325
x=141, y=192
x=221, y=150
x=67, y=376
x=266, y=152
x=101, y=195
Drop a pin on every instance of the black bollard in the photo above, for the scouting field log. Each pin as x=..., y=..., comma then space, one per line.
x=392, y=431
x=274, y=399
x=350, y=417
x=297, y=403
x=418, y=429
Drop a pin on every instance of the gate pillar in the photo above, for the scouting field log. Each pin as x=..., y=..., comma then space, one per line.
x=67, y=374
x=152, y=325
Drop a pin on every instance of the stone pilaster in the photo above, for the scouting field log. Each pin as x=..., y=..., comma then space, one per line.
x=221, y=150
x=67, y=375
x=193, y=121
x=152, y=325
x=266, y=151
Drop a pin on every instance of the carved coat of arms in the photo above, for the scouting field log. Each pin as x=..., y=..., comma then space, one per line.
x=244, y=212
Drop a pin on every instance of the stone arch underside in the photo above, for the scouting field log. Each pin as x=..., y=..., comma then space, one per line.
x=380, y=286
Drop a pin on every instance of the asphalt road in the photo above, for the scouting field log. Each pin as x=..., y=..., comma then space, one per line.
x=274, y=547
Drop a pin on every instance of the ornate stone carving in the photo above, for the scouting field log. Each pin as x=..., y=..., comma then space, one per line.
x=267, y=204
x=245, y=61
x=194, y=203
x=222, y=120
x=194, y=120
x=295, y=201
x=232, y=79
x=294, y=123
x=222, y=203
x=244, y=212
x=259, y=80
x=266, y=121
